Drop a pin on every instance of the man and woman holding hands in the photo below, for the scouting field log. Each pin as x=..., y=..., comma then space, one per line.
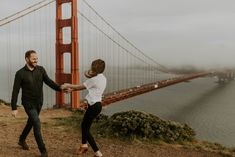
x=30, y=80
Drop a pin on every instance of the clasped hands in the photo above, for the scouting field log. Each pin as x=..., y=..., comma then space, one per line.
x=67, y=87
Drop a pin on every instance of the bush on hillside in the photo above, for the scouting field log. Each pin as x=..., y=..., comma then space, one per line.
x=143, y=125
x=2, y=102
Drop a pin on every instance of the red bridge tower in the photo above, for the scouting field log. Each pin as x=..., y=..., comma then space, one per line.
x=71, y=48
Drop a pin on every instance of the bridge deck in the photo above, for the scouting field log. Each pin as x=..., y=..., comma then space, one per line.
x=138, y=90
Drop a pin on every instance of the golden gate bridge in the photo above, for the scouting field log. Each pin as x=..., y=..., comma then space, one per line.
x=68, y=35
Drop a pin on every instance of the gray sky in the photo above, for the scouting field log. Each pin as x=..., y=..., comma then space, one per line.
x=173, y=32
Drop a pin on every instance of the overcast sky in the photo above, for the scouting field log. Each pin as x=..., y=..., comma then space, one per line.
x=173, y=32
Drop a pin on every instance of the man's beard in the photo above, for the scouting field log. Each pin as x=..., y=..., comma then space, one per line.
x=32, y=65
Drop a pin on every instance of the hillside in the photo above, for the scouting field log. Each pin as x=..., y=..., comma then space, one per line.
x=62, y=140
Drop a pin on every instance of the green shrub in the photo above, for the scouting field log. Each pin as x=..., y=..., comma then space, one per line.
x=148, y=126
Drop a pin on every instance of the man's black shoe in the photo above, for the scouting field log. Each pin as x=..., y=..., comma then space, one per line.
x=44, y=154
x=24, y=145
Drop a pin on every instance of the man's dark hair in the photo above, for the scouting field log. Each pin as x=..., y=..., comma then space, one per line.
x=28, y=53
x=98, y=66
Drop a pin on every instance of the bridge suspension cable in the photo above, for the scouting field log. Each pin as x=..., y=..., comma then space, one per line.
x=164, y=69
x=25, y=12
x=111, y=38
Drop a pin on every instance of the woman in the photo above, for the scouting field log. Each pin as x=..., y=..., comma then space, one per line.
x=95, y=84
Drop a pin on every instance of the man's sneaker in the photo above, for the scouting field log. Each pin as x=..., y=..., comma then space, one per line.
x=24, y=145
x=98, y=154
x=44, y=154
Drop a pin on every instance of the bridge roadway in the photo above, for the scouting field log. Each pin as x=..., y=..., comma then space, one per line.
x=138, y=90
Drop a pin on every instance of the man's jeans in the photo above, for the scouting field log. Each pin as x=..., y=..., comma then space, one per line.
x=34, y=121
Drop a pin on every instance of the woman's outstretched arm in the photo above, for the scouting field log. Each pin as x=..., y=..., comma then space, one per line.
x=74, y=87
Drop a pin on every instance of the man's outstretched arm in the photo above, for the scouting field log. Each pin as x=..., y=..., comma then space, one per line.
x=50, y=82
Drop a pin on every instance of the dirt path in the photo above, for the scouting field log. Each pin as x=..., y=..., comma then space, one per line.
x=62, y=143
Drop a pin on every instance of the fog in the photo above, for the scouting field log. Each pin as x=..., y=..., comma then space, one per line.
x=174, y=33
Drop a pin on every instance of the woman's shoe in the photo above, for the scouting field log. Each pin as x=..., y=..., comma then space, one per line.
x=81, y=150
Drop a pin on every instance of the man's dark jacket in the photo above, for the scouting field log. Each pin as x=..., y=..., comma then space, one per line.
x=31, y=83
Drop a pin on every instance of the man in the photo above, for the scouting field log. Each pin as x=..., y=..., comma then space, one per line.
x=30, y=79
